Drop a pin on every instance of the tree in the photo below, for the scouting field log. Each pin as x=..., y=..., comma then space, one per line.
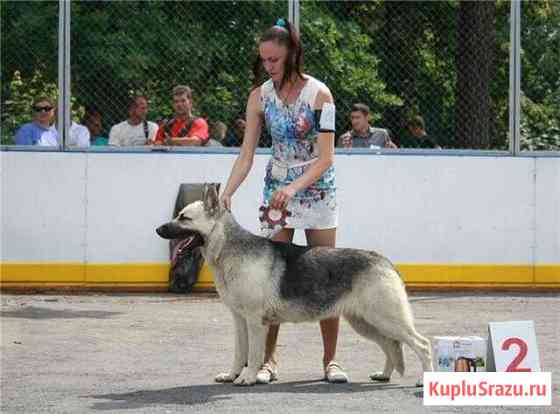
x=476, y=44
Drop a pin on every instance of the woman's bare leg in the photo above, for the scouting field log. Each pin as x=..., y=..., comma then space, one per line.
x=286, y=235
x=329, y=327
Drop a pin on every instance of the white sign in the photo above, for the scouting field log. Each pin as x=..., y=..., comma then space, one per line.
x=512, y=347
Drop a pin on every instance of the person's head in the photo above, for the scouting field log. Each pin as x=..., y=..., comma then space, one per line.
x=43, y=110
x=182, y=100
x=219, y=130
x=359, y=116
x=416, y=126
x=92, y=121
x=239, y=127
x=138, y=107
x=280, y=53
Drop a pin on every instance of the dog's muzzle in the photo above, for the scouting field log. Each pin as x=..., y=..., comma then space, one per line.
x=170, y=231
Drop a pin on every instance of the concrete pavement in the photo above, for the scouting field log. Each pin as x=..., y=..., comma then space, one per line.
x=159, y=353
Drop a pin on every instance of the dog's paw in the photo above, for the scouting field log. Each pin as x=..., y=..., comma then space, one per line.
x=246, y=378
x=225, y=377
x=379, y=377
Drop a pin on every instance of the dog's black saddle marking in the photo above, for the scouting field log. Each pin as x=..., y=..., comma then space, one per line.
x=317, y=278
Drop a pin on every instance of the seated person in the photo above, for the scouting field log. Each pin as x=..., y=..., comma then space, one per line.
x=40, y=131
x=362, y=135
x=183, y=129
x=419, y=137
x=79, y=136
x=92, y=121
x=136, y=130
x=217, y=134
x=234, y=137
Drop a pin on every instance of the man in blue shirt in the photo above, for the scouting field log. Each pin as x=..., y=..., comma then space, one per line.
x=40, y=131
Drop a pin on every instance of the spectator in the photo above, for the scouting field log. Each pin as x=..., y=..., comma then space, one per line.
x=234, y=138
x=40, y=131
x=183, y=128
x=218, y=134
x=136, y=130
x=362, y=135
x=79, y=136
x=419, y=137
x=92, y=121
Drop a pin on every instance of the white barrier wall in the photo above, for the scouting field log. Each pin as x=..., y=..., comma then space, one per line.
x=104, y=207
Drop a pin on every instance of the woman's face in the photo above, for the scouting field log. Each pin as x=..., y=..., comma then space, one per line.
x=273, y=56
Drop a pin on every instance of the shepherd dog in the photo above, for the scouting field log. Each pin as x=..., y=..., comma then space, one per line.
x=265, y=282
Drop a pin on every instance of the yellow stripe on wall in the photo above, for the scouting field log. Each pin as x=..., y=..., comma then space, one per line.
x=154, y=276
x=547, y=274
x=42, y=272
x=467, y=273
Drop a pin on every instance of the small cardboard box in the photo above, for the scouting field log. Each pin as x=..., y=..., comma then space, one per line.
x=447, y=349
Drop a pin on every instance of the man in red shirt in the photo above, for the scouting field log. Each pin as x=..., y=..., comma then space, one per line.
x=182, y=129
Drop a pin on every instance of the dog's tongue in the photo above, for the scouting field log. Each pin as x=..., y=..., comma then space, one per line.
x=183, y=244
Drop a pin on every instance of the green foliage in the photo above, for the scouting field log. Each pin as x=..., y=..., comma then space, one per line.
x=339, y=53
x=540, y=124
x=540, y=59
x=16, y=109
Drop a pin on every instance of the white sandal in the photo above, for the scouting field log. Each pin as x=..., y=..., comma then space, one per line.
x=267, y=374
x=334, y=373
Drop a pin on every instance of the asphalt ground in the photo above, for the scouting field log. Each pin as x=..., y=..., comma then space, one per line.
x=159, y=353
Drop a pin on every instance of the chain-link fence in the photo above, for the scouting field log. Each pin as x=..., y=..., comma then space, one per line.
x=540, y=76
x=125, y=48
x=28, y=60
x=446, y=61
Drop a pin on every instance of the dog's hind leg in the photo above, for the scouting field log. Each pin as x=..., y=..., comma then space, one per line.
x=401, y=329
x=257, y=339
x=241, y=350
x=393, y=349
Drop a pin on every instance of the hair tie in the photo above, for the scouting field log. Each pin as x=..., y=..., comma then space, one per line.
x=281, y=23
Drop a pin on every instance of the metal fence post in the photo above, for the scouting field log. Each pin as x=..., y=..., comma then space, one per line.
x=293, y=13
x=67, y=71
x=60, y=71
x=64, y=114
x=515, y=78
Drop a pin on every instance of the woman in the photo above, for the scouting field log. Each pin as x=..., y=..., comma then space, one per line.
x=298, y=112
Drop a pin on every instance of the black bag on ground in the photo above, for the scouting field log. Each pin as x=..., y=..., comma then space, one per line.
x=185, y=262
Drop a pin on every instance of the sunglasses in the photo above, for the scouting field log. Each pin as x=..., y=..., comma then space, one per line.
x=43, y=108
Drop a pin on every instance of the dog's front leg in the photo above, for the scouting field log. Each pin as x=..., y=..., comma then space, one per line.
x=241, y=350
x=257, y=338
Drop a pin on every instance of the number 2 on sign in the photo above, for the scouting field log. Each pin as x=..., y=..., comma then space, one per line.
x=514, y=365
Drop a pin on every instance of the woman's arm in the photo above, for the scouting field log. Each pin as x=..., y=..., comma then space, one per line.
x=244, y=161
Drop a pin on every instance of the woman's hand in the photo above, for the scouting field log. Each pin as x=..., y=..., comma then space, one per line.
x=281, y=197
x=225, y=200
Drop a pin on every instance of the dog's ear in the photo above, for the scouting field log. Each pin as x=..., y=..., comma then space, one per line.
x=210, y=198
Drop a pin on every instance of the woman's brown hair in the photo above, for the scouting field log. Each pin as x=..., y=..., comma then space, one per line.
x=283, y=33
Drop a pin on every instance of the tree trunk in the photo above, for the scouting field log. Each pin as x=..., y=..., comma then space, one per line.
x=475, y=70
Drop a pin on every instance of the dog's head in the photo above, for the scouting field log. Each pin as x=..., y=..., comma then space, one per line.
x=195, y=221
